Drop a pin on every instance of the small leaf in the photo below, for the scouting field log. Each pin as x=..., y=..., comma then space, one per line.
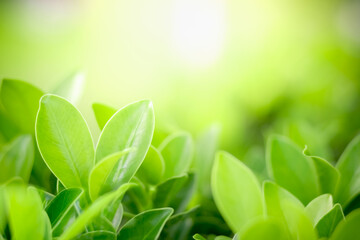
x=153, y=167
x=230, y=180
x=267, y=228
x=146, y=225
x=319, y=207
x=328, y=175
x=100, y=173
x=97, y=235
x=130, y=127
x=64, y=141
x=291, y=169
x=177, y=151
x=61, y=204
x=348, y=229
x=45, y=197
x=71, y=88
x=198, y=237
x=349, y=168
x=92, y=211
x=21, y=102
x=102, y=113
x=16, y=159
x=329, y=221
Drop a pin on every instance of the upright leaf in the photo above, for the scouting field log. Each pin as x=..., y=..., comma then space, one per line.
x=349, y=168
x=177, y=151
x=71, y=88
x=264, y=228
x=16, y=159
x=236, y=191
x=291, y=169
x=102, y=113
x=21, y=102
x=146, y=225
x=327, y=224
x=348, y=229
x=64, y=141
x=318, y=207
x=328, y=175
x=130, y=127
x=153, y=167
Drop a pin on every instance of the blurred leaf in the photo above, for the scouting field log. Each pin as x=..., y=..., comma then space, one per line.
x=45, y=197
x=328, y=175
x=102, y=223
x=64, y=141
x=198, y=237
x=139, y=196
x=21, y=102
x=97, y=235
x=291, y=169
x=92, y=211
x=59, y=186
x=153, y=167
x=8, y=129
x=102, y=113
x=319, y=207
x=16, y=159
x=114, y=213
x=177, y=151
x=349, y=168
x=268, y=228
x=71, y=88
x=61, y=204
x=130, y=127
x=348, y=229
x=329, y=221
x=236, y=191
x=100, y=173
x=146, y=225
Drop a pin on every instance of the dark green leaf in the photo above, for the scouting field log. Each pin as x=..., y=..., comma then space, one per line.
x=329, y=221
x=348, y=229
x=97, y=235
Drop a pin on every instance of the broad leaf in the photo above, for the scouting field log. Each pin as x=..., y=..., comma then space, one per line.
x=64, y=141
x=130, y=127
x=291, y=169
x=146, y=225
x=21, y=102
x=97, y=235
x=102, y=113
x=92, y=211
x=328, y=175
x=230, y=180
x=177, y=151
x=16, y=159
x=268, y=228
x=318, y=207
x=71, y=88
x=349, y=168
x=153, y=167
x=61, y=204
x=329, y=221
x=348, y=229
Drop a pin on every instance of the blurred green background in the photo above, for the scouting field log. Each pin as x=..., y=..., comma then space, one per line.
x=251, y=66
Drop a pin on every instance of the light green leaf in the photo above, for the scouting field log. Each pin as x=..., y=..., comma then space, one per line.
x=318, y=207
x=177, y=151
x=329, y=221
x=264, y=228
x=146, y=225
x=92, y=211
x=71, y=88
x=61, y=204
x=349, y=168
x=21, y=102
x=17, y=158
x=45, y=197
x=328, y=175
x=64, y=141
x=348, y=229
x=231, y=179
x=100, y=173
x=130, y=127
x=153, y=167
x=198, y=237
x=291, y=169
x=102, y=113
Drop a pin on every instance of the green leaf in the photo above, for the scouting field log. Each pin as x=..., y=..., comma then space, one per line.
x=264, y=228
x=349, y=168
x=71, y=88
x=130, y=127
x=21, y=102
x=291, y=169
x=138, y=197
x=45, y=197
x=102, y=113
x=100, y=173
x=198, y=237
x=114, y=213
x=61, y=204
x=97, y=235
x=318, y=207
x=17, y=158
x=153, y=167
x=64, y=141
x=230, y=180
x=146, y=225
x=92, y=211
x=177, y=151
x=348, y=229
x=329, y=221
x=328, y=175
